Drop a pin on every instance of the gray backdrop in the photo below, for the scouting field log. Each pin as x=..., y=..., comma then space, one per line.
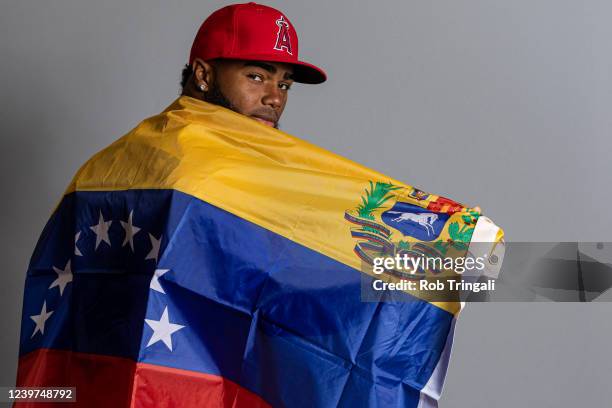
x=503, y=104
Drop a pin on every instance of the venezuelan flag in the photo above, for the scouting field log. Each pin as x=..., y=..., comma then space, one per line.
x=205, y=259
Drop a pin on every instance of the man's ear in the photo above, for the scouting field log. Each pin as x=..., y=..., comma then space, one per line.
x=203, y=74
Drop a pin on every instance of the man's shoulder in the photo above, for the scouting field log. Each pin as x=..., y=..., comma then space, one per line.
x=142, y=155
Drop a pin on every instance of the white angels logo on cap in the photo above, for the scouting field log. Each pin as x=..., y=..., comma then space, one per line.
x=283, y=40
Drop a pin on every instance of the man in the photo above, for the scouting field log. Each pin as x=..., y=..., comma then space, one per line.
x=245, y=58
x=208, y=259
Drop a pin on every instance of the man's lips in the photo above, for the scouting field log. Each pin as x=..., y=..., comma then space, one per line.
x=266, y=120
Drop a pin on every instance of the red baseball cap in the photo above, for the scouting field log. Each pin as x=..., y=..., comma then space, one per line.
x=253, y=32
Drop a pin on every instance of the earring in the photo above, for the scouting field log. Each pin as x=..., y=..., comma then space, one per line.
x=203, y=87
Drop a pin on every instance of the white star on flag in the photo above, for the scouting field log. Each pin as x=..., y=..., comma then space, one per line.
x=77, y=252
x=41, y=319
x=101, y=231
x=155, y=243
x=155, y=285
x=163, y=329
x=63, y=278
x=130, y=231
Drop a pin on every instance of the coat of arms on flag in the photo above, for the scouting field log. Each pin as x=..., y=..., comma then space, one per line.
x=394, y=219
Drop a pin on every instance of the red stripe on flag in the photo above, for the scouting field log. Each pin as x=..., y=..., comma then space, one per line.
x=100, y=381
x=105, y=381
x=158, y=386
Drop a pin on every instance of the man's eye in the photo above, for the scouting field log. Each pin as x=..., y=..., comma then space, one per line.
x=256, y=77
x=284, y=87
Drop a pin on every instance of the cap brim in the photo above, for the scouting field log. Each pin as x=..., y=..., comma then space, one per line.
x=307, y=73
x=303, y=72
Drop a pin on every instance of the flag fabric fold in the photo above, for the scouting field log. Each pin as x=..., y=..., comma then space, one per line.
x=205, y=259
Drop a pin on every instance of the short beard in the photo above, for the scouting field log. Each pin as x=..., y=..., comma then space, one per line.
x=216, y=97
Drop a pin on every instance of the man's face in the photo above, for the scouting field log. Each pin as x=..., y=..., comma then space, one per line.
x=253, y=88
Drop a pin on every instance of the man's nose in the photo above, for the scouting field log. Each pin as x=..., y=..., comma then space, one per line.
x=272, y=96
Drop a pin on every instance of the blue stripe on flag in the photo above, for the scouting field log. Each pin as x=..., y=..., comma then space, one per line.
x=250, y=305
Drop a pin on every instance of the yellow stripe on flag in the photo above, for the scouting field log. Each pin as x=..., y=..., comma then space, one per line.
x=258, y=173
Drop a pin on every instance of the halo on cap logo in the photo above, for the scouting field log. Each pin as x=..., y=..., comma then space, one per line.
x=283, y=40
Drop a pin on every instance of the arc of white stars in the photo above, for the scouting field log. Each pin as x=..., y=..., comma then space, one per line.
x=155, y=244
x=130, y=231
x=101, y=230
x=77, y=252
x=64, y=276
x=155, y=285
x=40, y=319
x=163, y=329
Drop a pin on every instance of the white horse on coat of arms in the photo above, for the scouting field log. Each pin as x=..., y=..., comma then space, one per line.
x=424, y=219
